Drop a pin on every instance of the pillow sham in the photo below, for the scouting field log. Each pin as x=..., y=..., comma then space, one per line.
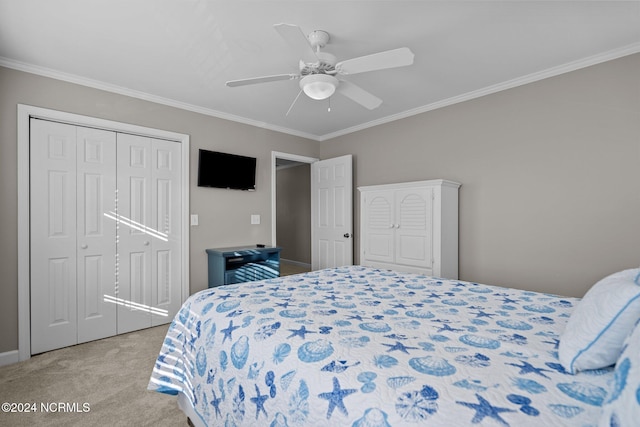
x=622, y=408
x=597, y=328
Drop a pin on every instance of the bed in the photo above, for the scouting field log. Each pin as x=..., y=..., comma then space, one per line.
x=358, y=346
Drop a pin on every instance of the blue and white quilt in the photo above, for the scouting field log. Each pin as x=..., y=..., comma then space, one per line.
x=357, y=346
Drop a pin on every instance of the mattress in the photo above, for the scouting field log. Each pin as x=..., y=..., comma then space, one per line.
x=358, y=346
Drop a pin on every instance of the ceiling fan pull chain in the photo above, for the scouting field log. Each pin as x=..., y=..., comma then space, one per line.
x=329, y=109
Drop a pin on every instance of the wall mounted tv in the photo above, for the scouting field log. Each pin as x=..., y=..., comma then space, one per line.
x=223, y=170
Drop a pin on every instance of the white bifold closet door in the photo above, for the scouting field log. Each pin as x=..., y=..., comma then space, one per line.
x=149, y=232
x=73, y=247
x=105, y=233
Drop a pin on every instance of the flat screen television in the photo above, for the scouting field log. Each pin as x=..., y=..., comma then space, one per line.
x=223, y=170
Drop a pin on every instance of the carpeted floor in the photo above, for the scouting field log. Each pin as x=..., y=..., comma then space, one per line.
x=102, y=383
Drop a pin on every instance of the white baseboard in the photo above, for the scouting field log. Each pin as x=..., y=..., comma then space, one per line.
x=9, y=357
x=301, y=264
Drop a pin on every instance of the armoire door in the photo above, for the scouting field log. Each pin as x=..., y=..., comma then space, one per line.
x=149, y=236
x=414, y=229
x=72, y=183
x=379, y=226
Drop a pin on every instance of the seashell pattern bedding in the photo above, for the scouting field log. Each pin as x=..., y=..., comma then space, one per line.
x=357, y=346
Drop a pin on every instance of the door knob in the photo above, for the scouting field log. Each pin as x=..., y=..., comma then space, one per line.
x=347, y=235
x=85, y=246
x=146, y=243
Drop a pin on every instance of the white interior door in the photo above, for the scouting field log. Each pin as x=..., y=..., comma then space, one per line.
x=96, y=233
x=73, y=244
x=53, y=235
x=149, y=232
x=166, y=230
x=332, y=212
x=134, y=240
x=68, y=228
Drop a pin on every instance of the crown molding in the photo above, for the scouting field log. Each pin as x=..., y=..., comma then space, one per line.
x=96, y=84
x=509, y=84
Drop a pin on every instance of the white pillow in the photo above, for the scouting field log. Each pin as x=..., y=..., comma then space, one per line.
x=623, y=401
x=598, y=326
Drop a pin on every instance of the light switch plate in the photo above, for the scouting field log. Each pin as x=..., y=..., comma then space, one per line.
x=194, y=219
x=255, y=219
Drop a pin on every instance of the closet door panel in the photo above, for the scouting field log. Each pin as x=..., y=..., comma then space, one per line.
x=96, y=239
x=166, y=190
x=105, y=233
x=134, y=232
x=53, y=235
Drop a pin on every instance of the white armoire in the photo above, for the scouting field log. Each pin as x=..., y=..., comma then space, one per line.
x=105, y=233
x=411, y=227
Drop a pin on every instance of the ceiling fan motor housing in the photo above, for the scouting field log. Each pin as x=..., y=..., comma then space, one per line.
x=325, y=65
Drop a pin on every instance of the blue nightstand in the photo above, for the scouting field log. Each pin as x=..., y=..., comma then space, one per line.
x=242, y=264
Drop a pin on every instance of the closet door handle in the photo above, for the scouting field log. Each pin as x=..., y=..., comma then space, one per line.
x=146, y=243
x=84, y=246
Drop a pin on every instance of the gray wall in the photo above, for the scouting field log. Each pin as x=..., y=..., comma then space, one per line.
x=550, y=197
x=550, y=173
x=293, y=207
x=224, y=214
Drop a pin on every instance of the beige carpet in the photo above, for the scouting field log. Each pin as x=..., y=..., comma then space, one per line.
x=110, y=376
x=103, y=383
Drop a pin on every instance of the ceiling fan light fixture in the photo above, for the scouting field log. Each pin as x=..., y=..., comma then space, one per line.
x=319, y=86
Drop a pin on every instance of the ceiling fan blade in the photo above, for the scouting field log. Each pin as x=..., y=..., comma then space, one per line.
x=294, y=36
x=377, y=61
x=359, y=95
x=264, y=79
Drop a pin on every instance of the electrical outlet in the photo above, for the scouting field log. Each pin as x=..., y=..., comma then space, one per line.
x=255, y=219
x=194, y=219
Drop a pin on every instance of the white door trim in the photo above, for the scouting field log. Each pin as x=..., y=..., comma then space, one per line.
x=25, y=112
x=278, y=155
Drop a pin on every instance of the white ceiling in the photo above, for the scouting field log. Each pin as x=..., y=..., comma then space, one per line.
x=181, y=52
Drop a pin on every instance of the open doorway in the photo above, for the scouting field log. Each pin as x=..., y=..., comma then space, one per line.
x=291, y=211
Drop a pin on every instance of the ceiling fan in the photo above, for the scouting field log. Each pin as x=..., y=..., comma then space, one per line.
x=319, y=71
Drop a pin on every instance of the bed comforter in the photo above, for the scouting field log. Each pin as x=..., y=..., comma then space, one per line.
x=359, y=347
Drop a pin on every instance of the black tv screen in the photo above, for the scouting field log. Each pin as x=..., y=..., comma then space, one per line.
x=223, y=170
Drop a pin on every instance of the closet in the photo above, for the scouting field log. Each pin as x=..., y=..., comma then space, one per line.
x=105, y=233
x=410, y=227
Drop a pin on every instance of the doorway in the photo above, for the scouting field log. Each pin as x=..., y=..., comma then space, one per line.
x=331, y=208
x=291, y=211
